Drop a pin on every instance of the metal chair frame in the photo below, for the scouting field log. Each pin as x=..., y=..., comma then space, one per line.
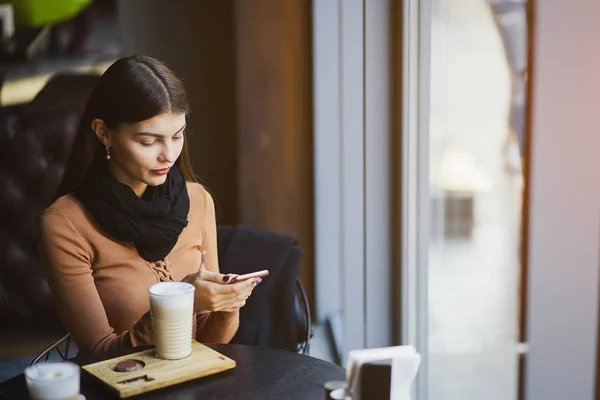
x=54, y=346
x=304, y=346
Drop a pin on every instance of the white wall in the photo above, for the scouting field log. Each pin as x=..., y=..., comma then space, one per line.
x=564, y=218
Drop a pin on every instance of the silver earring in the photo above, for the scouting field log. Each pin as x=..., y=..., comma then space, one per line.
x=108, y=152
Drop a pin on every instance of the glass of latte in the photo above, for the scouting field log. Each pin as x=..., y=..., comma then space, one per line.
x=53, y=381
x=172, y=310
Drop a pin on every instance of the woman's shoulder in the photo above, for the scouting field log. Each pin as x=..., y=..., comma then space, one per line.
x=67, y=207
x=66, y=204
x=198, y=195
x=202, y=206
x=195, y=189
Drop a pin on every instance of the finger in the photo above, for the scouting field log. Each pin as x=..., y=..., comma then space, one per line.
x=225, y=299
x=237, y=298
x=211, y=276
x=238, y=304
x=242, y=297
x=218, y=293
x=229, y=277
x=247, y=284
x=246, y=294
x=232, y=304
x=255, y=282
x=247, y=291
x=234, y=307
x=229, y=294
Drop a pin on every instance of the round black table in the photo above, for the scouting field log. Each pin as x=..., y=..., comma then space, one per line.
x=261, y=374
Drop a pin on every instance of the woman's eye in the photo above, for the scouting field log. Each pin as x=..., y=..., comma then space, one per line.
x=177, y=137
x=147, y=144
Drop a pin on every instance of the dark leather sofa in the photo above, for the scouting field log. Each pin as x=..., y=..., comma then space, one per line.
x=35, y=139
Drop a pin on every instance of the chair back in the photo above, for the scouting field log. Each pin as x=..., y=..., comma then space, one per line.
x=277, y=313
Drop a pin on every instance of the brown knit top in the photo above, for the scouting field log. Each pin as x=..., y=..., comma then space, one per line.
x=100, y=285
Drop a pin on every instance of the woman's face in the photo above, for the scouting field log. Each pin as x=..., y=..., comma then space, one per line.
x=142, y=153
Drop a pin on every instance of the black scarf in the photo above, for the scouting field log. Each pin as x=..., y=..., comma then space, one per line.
x=152, y=223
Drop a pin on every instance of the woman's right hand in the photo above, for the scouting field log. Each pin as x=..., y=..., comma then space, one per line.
x=214, y=294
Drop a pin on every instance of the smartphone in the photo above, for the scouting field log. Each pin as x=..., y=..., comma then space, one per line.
x=257, y=274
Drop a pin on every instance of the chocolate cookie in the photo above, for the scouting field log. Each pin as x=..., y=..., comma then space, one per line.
x=127, y=366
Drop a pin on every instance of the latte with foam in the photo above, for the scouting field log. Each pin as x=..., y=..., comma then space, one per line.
x=53, y=381
x=172, y=310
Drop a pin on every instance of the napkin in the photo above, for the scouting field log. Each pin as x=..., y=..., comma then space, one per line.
x=405, y=362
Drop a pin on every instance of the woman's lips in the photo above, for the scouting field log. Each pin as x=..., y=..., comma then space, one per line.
x=163, y=171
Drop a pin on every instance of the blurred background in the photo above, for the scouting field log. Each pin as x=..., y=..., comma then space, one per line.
x=394, y=139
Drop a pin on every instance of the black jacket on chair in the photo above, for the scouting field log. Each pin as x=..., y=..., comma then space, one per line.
x=269, y=317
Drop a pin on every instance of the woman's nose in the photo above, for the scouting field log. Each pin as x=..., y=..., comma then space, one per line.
x=167, y=154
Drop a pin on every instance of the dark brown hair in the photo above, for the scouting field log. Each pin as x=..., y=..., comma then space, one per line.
x=133, y=89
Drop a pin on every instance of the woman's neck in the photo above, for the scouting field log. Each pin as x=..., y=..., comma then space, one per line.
x=121, y=176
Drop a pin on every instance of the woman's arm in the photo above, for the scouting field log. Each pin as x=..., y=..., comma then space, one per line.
x=219, y=326
x=66, y=263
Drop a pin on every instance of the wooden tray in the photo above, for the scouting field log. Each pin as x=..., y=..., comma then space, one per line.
x=155, y=373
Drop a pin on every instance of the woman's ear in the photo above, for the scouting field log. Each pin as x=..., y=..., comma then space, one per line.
x=101, y=131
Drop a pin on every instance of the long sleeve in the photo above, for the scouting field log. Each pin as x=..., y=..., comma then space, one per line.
x=66, y=260
x=215, y=327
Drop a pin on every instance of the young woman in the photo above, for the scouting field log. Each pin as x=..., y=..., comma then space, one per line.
x=130, y=214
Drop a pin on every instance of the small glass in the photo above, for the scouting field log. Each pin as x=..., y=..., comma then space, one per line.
x=53, y=381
